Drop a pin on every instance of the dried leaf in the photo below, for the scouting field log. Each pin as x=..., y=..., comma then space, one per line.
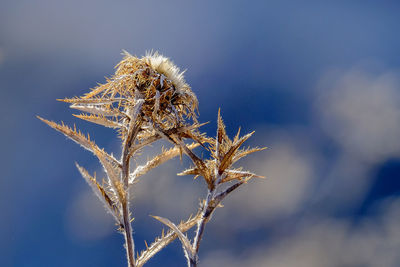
x=227, y=158
x=244, y=152
x=105, y=110
x=165, y=239
x=101, y=193
x=99, y=119
x=112, y=173
x=79, y=138
x=221, y=132
x=100, y=88
x=191, y=171
x=238, y=175
x=236, y=136
x=157, y=161
x=187, y=247
x=201, y=166
x=93, y=101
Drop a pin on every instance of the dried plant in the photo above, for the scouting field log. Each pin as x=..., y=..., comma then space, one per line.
x=147, y=99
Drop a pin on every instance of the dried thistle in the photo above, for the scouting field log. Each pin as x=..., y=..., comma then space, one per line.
x=147, y=99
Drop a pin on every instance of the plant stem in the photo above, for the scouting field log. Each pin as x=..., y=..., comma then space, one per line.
x=192, y=263
x=208, y=208
x=129, y=245
x=125, y=161
x=202, y=223
x=205, y=217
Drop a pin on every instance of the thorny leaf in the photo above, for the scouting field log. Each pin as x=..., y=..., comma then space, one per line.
x=148, y=136
x=99, y=119
x=244, y=152
x=176, y=139
x=164, y=240
x=112, y=173
x=236, y=138
x=221, y=137
x=209, y=166
x=157, y=161
x=190, y=171
x=105, y=110
x=227, y=158
x=187, y=247
x=200, y=138
x=225, y=153
x=101, y=193
x=238, y=174
x=94, y=101
x=200, y=165
x=79, y=138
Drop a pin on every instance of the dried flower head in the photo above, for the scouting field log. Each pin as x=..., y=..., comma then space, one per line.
x=152, y=83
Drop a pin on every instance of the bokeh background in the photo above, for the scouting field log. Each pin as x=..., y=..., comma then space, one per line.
x=319, y=81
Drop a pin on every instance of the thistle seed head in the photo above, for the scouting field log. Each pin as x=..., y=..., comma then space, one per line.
x=145, y=91
x=168, y=99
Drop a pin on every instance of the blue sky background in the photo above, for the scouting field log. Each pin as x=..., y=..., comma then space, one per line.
x=319, y=81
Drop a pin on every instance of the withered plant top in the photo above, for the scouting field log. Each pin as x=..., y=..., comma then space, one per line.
x=153, y=82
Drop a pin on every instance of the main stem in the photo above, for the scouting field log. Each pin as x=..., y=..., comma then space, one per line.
x=134, y=126
x=129, y=245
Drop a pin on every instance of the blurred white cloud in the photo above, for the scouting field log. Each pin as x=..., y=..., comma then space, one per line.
x=360, y=110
